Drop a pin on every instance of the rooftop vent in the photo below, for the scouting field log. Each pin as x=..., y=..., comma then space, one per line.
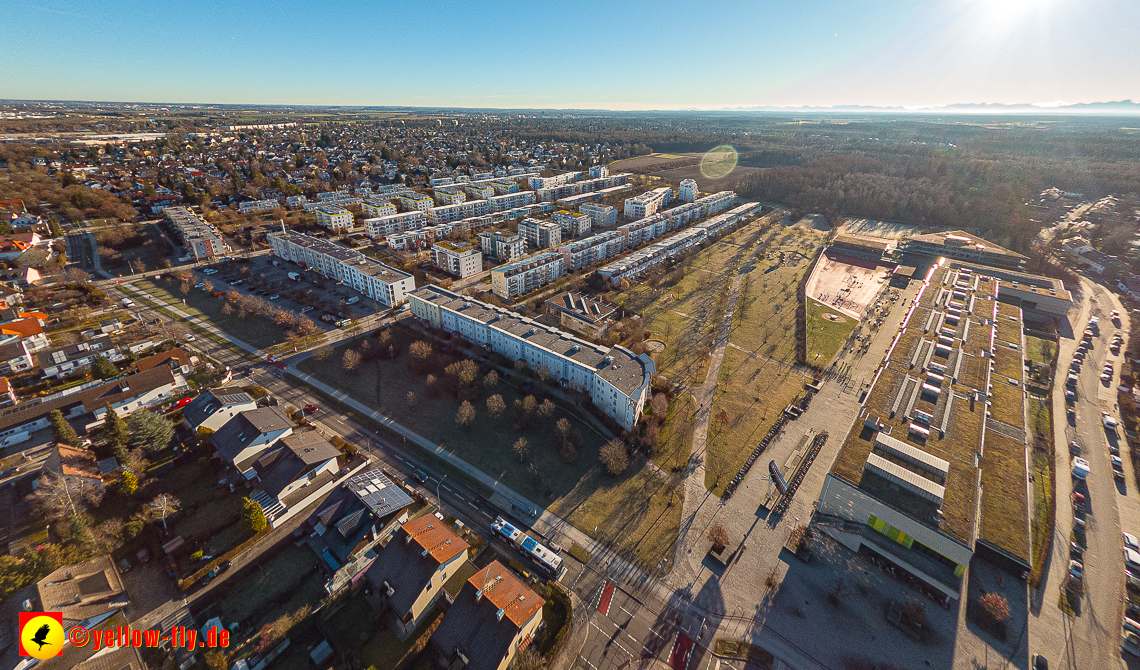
x=500, y=613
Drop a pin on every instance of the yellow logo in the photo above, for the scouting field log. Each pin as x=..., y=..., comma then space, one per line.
x=41, y=636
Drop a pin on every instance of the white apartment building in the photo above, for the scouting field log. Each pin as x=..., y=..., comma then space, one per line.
x=296, y=201
x=373, y=208
x=572, y=224
x=499, y=203
x=601, y=216
x=200, y=238
x=258, y=206
x=441, y=181
x=335, y=218
x=523, y=276
x=415, y=202
x=648, y=203
x=536, y=183
x=448, y=197
x=457, y=258
x=480, y=191
x=688, y=191
x=617, y=381
x=587, y=252
x=383, y=226
x=504, y=186
x=637, y=263
x=599, y=171
x=540, y=234
x=374, y=279
x=501, y=245
x=463, y=210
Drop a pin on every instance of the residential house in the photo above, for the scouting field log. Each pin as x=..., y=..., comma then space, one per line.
x=244, y=438
x=30, y=330
x=7, y=393
x=15, y=357
x=78, y=467
x=73, y=357
x=494, y=618
x=212, y=409
x=86, y=593
x=409, y=573
x=353, y=522
x=175, y=359
x=10, y=295
x=291, y=472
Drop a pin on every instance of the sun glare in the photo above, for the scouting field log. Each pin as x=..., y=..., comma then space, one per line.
x=1010, y=11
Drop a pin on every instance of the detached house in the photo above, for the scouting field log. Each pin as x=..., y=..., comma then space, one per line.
x=86, y=593
x=243, y=439
x=30, y=330
x=494, y=618
x=77, y=466
x=295, y=472
x=73, y=357
x=409, y=573
x=15, y=357
x=212, y=409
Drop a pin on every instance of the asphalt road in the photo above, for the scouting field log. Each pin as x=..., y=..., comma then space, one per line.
x=1094, y=634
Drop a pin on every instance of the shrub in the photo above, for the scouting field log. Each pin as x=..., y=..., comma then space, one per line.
x=614, y=457
x=718, y=536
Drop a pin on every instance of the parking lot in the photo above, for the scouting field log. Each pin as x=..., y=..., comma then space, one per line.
x=323, y=299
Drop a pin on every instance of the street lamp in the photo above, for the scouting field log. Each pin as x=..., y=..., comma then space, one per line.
x=438, y=500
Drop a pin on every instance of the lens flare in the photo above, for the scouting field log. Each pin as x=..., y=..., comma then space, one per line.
x=719, y=162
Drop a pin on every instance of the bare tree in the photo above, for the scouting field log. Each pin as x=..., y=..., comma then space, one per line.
x=490, y=380
x=545, y=410
x=351, y=360
x=496, y=406
x=66, y=497
x=614, y=457
x=521, y=448
x=323, y=352
x=718, y=536
x=163, y=506
x=465, y=415
x=410, y=399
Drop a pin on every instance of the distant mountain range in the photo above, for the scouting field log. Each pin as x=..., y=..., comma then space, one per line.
x=1118, y=107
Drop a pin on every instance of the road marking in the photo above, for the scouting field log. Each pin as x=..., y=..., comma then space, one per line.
x=484, y=513
x=607, y=596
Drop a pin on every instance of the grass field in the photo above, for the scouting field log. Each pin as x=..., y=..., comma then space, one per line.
x=360, y=630
x=1008, y=404
x=632, y=508
x=287, y=582
x=676, y=437
x=1040, y=350
x=825, y=336
x=252, y=330
x=752, y=391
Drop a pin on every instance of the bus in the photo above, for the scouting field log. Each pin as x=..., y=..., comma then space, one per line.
x=548, y=562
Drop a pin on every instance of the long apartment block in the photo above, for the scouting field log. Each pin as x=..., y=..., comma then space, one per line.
x=200, y=237
x=584, y=253
x=383, y=226
x=636, y=264
x=617, y=381
x=461, y=210
x=526, y=275
x=382, y=283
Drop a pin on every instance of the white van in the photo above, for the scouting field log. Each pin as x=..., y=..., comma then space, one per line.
x=1080, y=467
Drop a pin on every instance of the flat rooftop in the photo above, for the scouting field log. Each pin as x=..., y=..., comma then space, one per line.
x=957, y=239
x=617, y=365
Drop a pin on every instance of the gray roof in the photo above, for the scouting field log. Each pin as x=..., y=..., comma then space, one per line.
x=100, y=346
x=293, y=457
x=378, y=492
x=206, y=404
x=231, y=438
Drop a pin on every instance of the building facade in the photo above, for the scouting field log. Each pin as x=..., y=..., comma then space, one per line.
x=374, y=279
x=374, y=208
x=617, y=381
x=415, y=202
x=688, y=191
x=461, y=210
x=595, y=249
x=456, y=258
x=523, y=276
x=573, y=224
x=601, y=216
x=383, y=226
x=501, y=245
x=335, y=218
x=540, y=234
x=648, y=203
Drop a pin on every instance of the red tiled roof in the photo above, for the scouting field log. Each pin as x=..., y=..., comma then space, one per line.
x=433, y=535
x=149, y=362
x=29, y=327
x=507, y=592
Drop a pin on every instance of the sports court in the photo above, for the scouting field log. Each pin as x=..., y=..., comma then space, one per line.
x=846, y=284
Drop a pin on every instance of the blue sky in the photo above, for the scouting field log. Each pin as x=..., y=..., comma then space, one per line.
x=612, y=55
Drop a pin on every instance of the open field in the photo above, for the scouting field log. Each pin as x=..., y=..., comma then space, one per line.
x=632, y=508
x=827, y=330
x=254, y=331
x=751, y=392
x=676, y=437
x=727, y=183
x=651, y=162
x=847, y=284
x=684, y=307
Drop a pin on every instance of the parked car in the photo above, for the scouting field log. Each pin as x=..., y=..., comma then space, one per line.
x=1076, y=570
x=311, y=408
x=306, y=308
x=1108, y=421
x=420, y=476
x=1075, y=448
x=1131, y=542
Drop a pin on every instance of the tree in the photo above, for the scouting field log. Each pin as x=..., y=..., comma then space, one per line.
x=128, y=483
x=150, y=431
x=324, y=352
x=163, y=506
x=115, y=429
x=410, y=399
x=545, y=410
x=996, y=606
x=465, y=416
x=660, y=406
x=61, y=430
x=718, y=536
x=490, y=380
x=350, y=361
x=66, y=497
x=495, y=407
x=524, y=410
x=464, y=371
x=421, y=353
x=563, y=427
x=614, y=457
x=521, y=448
x=252, y=517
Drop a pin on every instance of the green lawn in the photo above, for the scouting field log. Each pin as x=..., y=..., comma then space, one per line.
x=1040, y=350
x=252, y=330
x=825, y=336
